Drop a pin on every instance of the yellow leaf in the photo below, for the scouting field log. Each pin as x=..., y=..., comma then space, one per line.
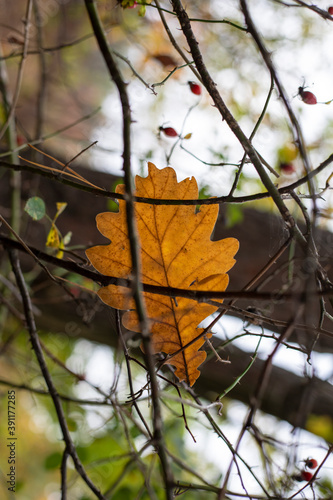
x=176, y=251
x=60, y=208
x=60, y=252
x=321, y=425
x=53, y=239
x=188, y=136
x=287, y=153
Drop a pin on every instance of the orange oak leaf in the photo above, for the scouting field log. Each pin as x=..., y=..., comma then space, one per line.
x=176, y=251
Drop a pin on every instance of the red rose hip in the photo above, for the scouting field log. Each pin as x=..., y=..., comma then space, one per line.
x=195, y=88
x=287, y=168
x=169, y=131
x=311, y=463
x=306, y=476
x=306, y=96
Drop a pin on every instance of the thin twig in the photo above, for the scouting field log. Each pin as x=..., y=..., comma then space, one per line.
x=129, y=375
x=254, y=131
x=135, y=73
x=259, y=392
x=19, y=77
x=41, y=99
x=226, y=114
x=215, y=427
x=63, y=470
x=52, y=134
x=63, y=397
x=174, y=42
x=47, y=49
x=158, y=84
x=199, y=20
x=132, y=234
x=238, y=379
x=47, y=377
x=298, y=134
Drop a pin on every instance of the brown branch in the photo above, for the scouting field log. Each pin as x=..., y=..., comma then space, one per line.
x=129, y=376
x=154, y=201
x=323, y=13
x=47, y=377
x=174, y=42
x=226, y=114
x=298, y=137
x=200, y=295
x=42, y=92
x=63, y=470
x=20, y=70
x=258, y=394
x=134, y=247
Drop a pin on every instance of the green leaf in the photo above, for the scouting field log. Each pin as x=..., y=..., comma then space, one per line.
x=101, y=446
x=124, y=492
x=35, y=207
x=204, y=192
x=53, y=461
x=142, y=11
x=234, y=215
x=112, y=206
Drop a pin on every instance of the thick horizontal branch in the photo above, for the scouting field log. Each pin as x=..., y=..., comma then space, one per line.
x=199, y=295
x=153, y=201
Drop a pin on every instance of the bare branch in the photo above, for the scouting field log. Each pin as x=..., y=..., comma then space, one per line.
x=47, y=377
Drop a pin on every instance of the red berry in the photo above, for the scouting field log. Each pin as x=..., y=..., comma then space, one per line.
x=306, y=96
x=128, y=4
x=311, y=463
x=169, y=131
x=330, y=11
x=195, y=88
x=306, y=476
x=20, y=140
x=287, y=168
